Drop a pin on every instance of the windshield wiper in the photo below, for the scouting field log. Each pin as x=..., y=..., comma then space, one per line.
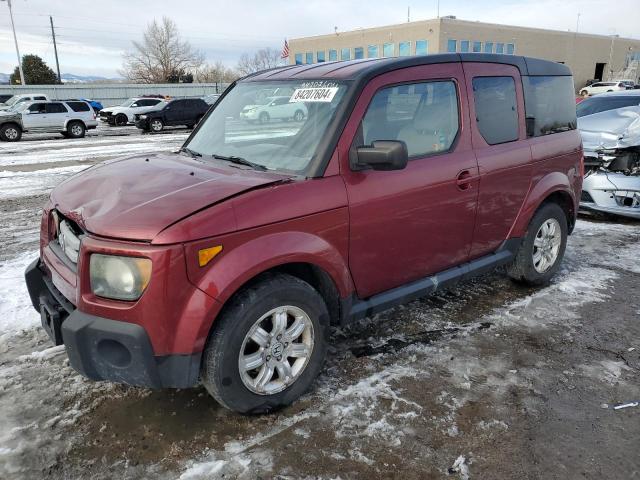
x=193, y=153
x=240, y=161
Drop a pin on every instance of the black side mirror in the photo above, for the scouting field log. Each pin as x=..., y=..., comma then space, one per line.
x=383, y=155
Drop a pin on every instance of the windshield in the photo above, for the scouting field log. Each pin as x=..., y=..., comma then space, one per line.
x=602, y=104
x=19, y=107
x=12, y=100
x=276, y=125
x=127, y=102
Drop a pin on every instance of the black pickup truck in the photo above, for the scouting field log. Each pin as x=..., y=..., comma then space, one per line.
x=184, y=111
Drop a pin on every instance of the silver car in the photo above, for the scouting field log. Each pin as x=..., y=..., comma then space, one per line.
x=610, y=129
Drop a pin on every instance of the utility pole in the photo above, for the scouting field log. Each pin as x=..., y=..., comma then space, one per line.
x=15, y=39
x=55, y=48
x=408, y=14
x=613, y=38
x=438, y=14
x=578, y=23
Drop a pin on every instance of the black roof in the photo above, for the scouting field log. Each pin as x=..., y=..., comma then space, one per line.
x=371, y=67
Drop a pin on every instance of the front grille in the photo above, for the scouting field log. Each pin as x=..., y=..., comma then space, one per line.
x=105, y=114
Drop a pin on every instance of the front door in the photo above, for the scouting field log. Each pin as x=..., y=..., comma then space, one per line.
x=35, y=117
x=408, y=224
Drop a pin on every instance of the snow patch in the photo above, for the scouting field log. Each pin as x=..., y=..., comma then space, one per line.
x=16, y=311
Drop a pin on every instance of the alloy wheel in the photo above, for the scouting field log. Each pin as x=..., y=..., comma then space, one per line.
x=546, y=245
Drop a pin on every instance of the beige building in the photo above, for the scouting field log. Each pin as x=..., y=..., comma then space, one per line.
x=589, y=56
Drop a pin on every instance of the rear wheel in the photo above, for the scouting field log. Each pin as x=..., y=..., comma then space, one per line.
x=584, y=93
x=10, y=132
x=76, y=130
x=541, y=252
x=264, y=117
x=268, y=346
x=121, y=120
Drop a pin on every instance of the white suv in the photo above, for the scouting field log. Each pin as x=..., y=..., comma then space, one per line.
x=71, y=118
x=126, y=112
x=23, y=97
x=274, y=108
x=601, y=87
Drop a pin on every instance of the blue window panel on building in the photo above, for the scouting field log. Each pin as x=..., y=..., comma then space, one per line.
x=422, y=47
x=404, y=49
x=464, y=46
x=452, y=46
x=510, y=48
x=333, y=55
x=320, y=56
x=499, y=47
x=358, y=53
x=388, y=50
x=345, y=54
x=477, y=47
x=488, y=47
x=298, y=59
x=372, y=51
x=309, y=57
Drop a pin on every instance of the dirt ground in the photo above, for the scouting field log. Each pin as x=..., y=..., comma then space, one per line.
x=487, y=380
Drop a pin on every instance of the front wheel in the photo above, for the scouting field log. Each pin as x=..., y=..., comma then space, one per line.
x=298, y=116
x=268, y=346
x=584, y=93
x=541, y=252
x=156, y=125
x=10, y=132
x=121, y=120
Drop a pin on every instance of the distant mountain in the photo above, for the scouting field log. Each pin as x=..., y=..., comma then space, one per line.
x=69, y=78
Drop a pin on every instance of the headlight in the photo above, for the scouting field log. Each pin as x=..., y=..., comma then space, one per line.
x=143, y=116
x=120, y=278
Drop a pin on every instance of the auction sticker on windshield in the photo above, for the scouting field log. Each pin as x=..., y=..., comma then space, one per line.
x=313, y=94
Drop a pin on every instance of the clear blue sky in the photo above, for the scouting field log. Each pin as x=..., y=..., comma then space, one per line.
x=93, y=34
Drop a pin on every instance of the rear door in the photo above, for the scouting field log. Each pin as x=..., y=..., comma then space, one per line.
x=407, y=224
x=57, y=115
x=499, y=138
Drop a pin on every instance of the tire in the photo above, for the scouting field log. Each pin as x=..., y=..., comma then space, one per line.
x=239, y=389
x=10, y=132
x=531, y=264
x=76, y=129
x=298, y=116
x=264, y=117
x=156, y=125
x=584, y=93
x=120, y=120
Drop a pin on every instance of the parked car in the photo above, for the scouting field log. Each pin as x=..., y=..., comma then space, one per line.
x=211, y=98
x=183, y=111
x=23, y=97
x=274, y=108
x=228, y=261
x=601, y=87
x=125, y=112
x=72, y=118
x=610, y=127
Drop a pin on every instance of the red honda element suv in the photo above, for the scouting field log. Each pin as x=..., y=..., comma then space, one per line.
x=226, y=262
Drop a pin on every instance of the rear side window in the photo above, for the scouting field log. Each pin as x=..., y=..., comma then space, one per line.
x=423, y=115
x=602, y=104
x=496, y=108
x=549, y=104
x=147, y=103
x=79, y=106
x=40, y=98
x=56, y=108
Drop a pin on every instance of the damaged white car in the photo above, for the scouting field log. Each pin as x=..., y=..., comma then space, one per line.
x=610, y=128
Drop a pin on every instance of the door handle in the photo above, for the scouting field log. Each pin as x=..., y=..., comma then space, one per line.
x=465, y=179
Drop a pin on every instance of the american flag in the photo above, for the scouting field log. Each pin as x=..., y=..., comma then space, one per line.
x=285, y=49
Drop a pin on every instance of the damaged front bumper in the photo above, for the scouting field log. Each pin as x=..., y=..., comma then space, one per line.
x=611, y=193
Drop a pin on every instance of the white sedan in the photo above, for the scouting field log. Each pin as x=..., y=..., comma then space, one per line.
x=601, y=87
x=274, y=108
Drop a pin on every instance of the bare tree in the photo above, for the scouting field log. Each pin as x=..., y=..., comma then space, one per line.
x=216, y=73
x=261, y=60
x=160, y=55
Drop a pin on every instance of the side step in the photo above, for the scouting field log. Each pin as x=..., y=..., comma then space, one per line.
x=428, y=285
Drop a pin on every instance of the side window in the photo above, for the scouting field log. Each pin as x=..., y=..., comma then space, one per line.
x=56, y=108
x=79, y=106
x=37, y=108
x=39, y=98
x=496, y=108
x=423, y=115
x=549, y=104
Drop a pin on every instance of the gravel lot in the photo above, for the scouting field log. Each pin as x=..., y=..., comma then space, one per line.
x=488, y=380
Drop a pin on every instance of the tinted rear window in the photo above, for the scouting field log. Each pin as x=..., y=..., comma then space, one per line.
x=496, y=108
x=56, y=108
x=549, y=104
x=602, y=104
x=79, y=106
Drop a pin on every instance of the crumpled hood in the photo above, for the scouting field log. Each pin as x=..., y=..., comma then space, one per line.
x=135, y=198
x=618, y=128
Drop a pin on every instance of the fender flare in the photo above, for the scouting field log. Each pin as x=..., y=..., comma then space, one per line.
x=227, y=274
x=554, y=182
x=69, y=120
